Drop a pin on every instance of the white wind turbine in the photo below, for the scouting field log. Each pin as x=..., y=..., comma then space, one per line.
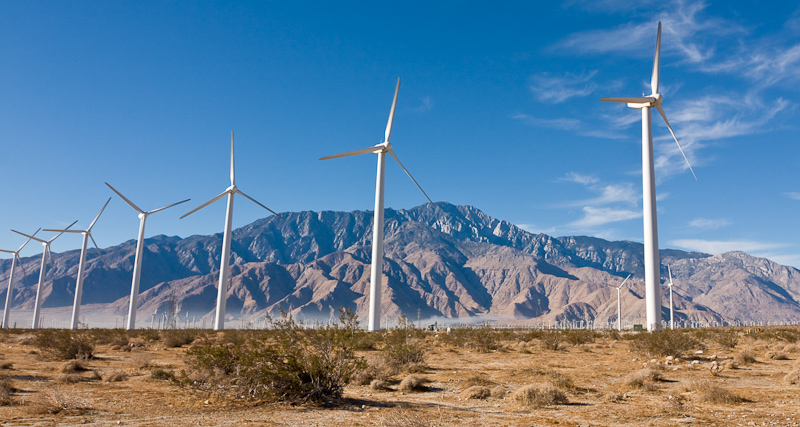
x=651, y=257
x=377, y=229
x=671, y=314
x=224, y=268
x=87, y=234
x=137, y=263
x=42, y=272
x=10, y=291
x=619, y=303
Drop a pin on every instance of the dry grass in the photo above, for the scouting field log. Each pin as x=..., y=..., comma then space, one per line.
x=540, y=395
x=115, y=376
x=777, y=355
x=643, y=378
x=714, y=393
x=404, y=418
x=414, y=382
x=745, y=357
x=475, y=392
x=6, y=392
x=793, y=377
x=380, y=385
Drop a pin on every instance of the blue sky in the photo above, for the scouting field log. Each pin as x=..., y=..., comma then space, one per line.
x=499, y=108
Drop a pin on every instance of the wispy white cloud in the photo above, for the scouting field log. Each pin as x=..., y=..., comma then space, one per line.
x=710, y=224
x=426, y=104
x=793, y=195
x=556, y=89
x=580, y=179
x=594, y=217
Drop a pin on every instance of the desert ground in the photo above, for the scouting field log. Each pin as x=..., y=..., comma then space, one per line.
x=728, y=377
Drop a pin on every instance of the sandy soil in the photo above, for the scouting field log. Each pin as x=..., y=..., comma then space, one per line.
x=594, y=377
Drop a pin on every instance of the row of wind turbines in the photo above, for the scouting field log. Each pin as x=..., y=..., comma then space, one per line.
x=652, y=262
x=669, y=284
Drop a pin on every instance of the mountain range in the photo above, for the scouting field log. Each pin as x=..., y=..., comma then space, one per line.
x=442, y=261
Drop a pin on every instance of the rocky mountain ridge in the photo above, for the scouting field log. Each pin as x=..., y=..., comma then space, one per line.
x=442, y=261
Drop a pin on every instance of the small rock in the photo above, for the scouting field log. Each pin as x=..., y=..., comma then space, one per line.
x=695, y=362
x=653, y=360
x=669, y=358
x=698, y=352
x=713, y=357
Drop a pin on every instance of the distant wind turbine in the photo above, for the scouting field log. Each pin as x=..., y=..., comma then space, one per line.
x=10, y=291
x=377, y=229
x=42, y=272
x=619, y=303
x=651, y=257
x=224, y=268
x=671, y=315
x=87, y=234
x=137, y=263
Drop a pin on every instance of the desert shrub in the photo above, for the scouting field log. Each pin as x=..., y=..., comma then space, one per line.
x=579, y=336
x=643, y=378
x=745, y=357
x=414, y=382
x=70, y=378
x=404, y=418
x=712, y=393
x=74, y=366
x=101, y=336
x=551, y=339
x=727, y=338
x=404, y=345
x=475, y=392
x=379, y=385
x=289, y=364
x=674, y=404
x=63, y=344
x=477, y=380
x=560, y=380
x=790, y=335
x=141, y=359
x=148, y=335
x=57, y=401
x=777, y=355
x=6, y=392
x=116, y=376
x=482, y=339
x=159, y=373
x=791, y=348
x=6, y=365
x=498, y=392
x=539, y=395
x=793, y=377
x=663, y=343
x=178, y=337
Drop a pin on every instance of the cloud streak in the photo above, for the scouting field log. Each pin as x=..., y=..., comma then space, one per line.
x=557, y=89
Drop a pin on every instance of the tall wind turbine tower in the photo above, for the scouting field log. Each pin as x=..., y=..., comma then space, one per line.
x=87, y=234
x=10, y=291
x=652, y=272
x=377, y=229
x=42, y=272
x=137, y=263
x=224, y=268
x=619, y=303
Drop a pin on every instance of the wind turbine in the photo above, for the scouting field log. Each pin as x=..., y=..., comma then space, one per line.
x=10, y=292
x=377, y=229
x=87, y=234
x=224, y=268
x=651, y=257
x=42, y=272
x=671, y=314
x=619, y=303
x=137, y=263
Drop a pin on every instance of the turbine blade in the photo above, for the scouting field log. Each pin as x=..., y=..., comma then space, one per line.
x=98, y=250
x=664, y=115
x=24, y=272
x=373, y=149
x=630, y=99
x=233, y=175
x=205, y=204
x=7, y=251
x=167, y=207
x=125, y=198
x=656, y=62
x=28, y=236
x=26, y=242
x=62, y=232
x=623, y=282
x=388, y=133
x=259, y=204
x=409, y=175
x=98, y=215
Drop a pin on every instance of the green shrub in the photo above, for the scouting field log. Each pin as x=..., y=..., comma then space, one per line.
x=663, y=343
x=288, y=364
x=178, y=337
x=579, y=336
x=403, y=345
x=551, y=339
